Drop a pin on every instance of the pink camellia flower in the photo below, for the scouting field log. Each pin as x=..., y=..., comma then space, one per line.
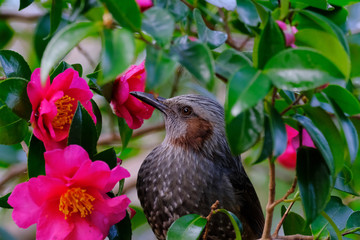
x=289, y=33
x=54, y=105
x=144, y=4
x=288, y=158
x=70, y=202
x=127, y=106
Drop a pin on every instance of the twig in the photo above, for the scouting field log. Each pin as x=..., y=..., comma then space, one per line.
x=176, y=81
x=290, y=191
x=269, y=208
x=20, y=17
x=292, y=104
x=13, y=172
x=229, y=39
x=225, y=80
x=86, y=55
x=25, y=147
x=188, y=5
x=295, y=237
x=243, y=44
x=208, y=218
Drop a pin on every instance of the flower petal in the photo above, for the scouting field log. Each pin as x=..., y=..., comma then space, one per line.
x=288, y=158
x=85, y=230
x=116, y=175
x=62, y=82
x=35, y=90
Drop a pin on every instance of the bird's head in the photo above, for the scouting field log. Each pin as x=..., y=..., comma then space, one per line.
x=191, y=121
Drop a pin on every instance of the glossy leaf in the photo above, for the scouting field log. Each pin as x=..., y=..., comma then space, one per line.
x=118, y=53
x=212, y=38
x=126, y=13
x=353, y=222
x=139, y=219
x=55, y=15
x=196, y=58
x=229, y=62
x=354, y=45
x=348, y=129
x=344, y=99
x=301, y=69
x=108, y=156
x=314, y=180
x=294, y=224
x=238, y=228
x=6, y=33
x=247, y=13
x=338, y=56
x=323, y=122
x=246, y=88
x=187, y=227
x=160, y=24
x=59, y=69
x=268, y=44
x=24, y=4
x=319, y=140
x=267, y=147
x=177, y=8
x=63, y=41
x=13, y=94
x=3, y=201
x=278, y=131
x=244, y=130
x=83, y=131
x=12, y=128
x=321, y=4
x=98, y=116
x=36, y=160
x=14, y=64
x=125, y=132
x=343, y=181
x=156, y=61
x=338, y=212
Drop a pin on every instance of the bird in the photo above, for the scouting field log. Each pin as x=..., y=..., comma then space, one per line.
x=193, y=168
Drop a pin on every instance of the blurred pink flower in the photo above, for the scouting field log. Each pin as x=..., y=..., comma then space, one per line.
x=54, y=105
x=144, y=4
x=70, y=202
x=289, y=33
x=127, y=106
x=288, y=158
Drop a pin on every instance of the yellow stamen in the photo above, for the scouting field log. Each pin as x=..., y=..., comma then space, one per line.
x=76, y=200
x=64, y=112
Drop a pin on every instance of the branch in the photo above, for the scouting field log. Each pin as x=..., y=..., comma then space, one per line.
x=208, y=218
x=13, y=172
x=292, y=104
x=23, y=18
x=290, y=191
x=269, y=206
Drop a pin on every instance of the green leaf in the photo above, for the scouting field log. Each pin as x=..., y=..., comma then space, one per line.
x=246, y=88
x=156, y=61
x=177, y=8
x=212, y=38
x=338, y=212
x=343, y=181
x=36, y=160
x=83, y=131
x=238, y=228
x=55, y=15
x=108, y=156
x=270, y=42
x=125, y=132
x=3, y=201
x=126, y=13
x=6, y=33
x=294, y=224
x=98, y=116
x=196, y=58
x=77, y=67
x=321, y=4
x=353, y=222
x=13, y=93
x=301, y=69
x=118, y=53
x=160, y=24
x=63, y=41
x=59, y=69
x=247, y=13
x=315, y=39
x=344, y=99
x=319, y=140
x=14, y=64
x=24, y=4
x=267, y=147
x=323, y=122
x=229, y=62
x=187, y=227
x=348, y=129
x=244, y=130
x=139, y=218
x=354, y=45
x=12, y=128
x=314, y=180
x=278, y=131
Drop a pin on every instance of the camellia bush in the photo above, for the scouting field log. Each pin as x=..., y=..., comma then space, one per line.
x=291, y=74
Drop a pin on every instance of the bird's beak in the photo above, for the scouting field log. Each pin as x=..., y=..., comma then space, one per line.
x=148, y=98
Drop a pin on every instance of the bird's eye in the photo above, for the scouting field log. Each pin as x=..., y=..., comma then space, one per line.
x=186, y=110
